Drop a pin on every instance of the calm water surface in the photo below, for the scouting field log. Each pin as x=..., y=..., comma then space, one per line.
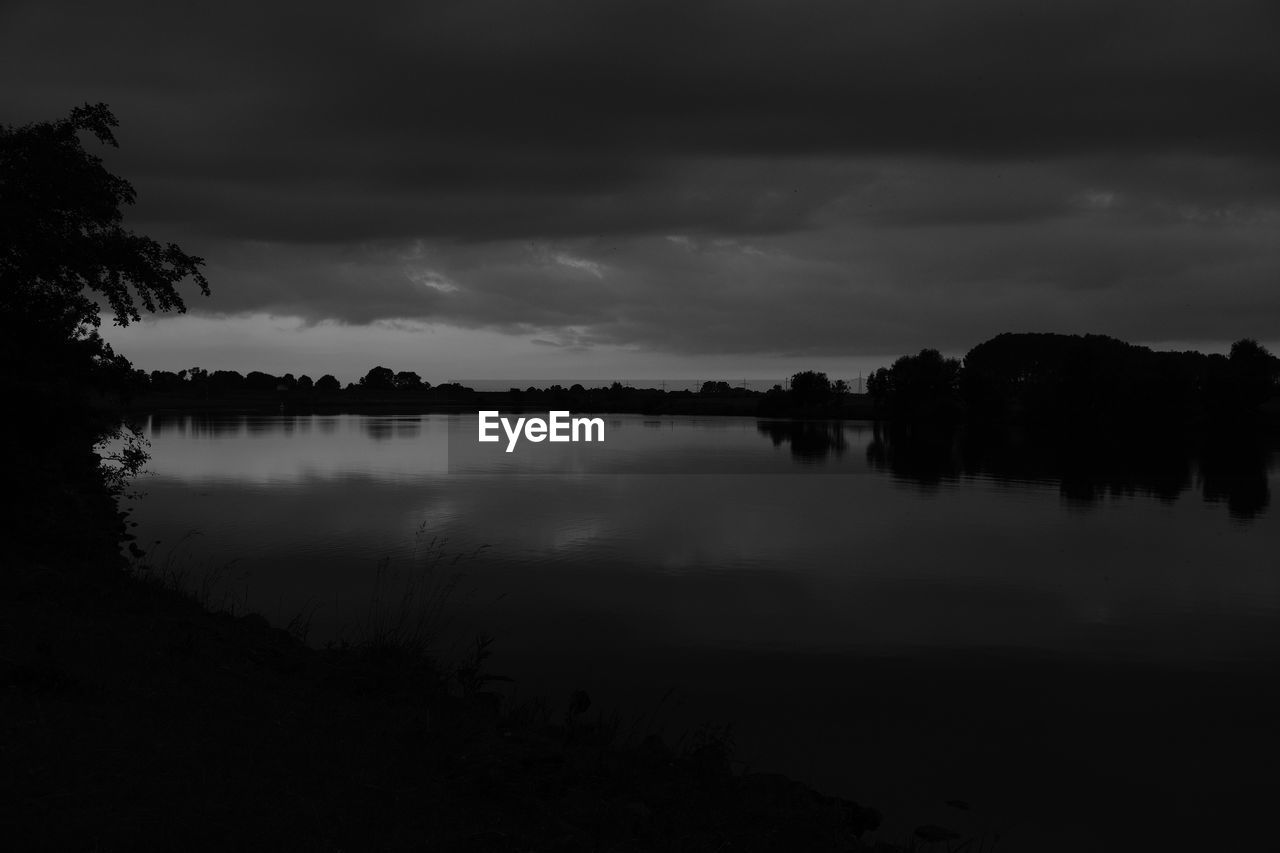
x=1090, y=662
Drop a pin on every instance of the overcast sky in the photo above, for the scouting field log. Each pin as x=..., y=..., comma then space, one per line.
x=601, y=189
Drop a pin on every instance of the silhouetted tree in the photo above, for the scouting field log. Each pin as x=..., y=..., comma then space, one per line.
x=810, y=388
x=1254, y=372
x=378, y=379
x=260, y=382
x=166, y=381
x=225, y=382
x=328, y=384
x=921, y=386
x=407, y=380
x=60, y=212
x=1049, y=378
x=65, y=253
x=810, y=394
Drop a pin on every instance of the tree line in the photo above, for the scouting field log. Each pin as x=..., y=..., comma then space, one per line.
x=808, y=392
x=198, y=382
x=1041, y=377
x=1037, y=377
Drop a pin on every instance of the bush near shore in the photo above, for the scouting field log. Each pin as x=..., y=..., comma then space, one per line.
x=137, y=719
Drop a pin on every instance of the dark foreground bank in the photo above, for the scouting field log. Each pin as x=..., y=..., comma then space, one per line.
x=135, y=719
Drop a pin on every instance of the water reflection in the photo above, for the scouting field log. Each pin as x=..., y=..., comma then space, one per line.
x=1237, y=472
x=1232, y=469
x=379, y=429
x=1087, y=468
x=963, y=636
x=810, y=441
x=294, y=448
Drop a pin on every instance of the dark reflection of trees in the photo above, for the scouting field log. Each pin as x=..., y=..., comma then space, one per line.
x=260, y=425
x=810, y=441
x=379, y=429
x=197, y=425
x=382, y=429
x=1236, y=471
x=162, y=423
x=218, y=425
x=924, y=455
x=1087, y=466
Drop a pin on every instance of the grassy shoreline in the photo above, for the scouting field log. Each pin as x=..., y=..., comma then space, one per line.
x=135, y=718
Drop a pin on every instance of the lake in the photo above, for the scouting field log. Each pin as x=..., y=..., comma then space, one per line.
x=1080, y=644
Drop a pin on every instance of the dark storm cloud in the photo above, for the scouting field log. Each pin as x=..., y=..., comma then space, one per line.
x=920, y=172
x=430, y=118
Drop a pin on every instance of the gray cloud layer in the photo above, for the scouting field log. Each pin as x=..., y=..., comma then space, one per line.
x=698, y=176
